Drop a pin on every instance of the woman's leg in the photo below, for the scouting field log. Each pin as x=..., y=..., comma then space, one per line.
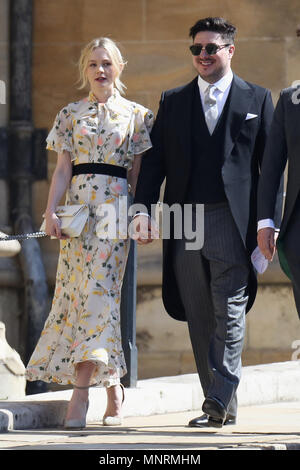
x=115, y=398
x=77, y=405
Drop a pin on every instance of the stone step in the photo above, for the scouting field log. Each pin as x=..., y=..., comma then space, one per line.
x=262, y=384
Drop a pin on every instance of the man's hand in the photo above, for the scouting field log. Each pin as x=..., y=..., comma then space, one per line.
x=266, y=242
x=144, y=230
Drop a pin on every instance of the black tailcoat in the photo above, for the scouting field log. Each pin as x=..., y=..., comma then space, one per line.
x=283, y=146
x=243, y=147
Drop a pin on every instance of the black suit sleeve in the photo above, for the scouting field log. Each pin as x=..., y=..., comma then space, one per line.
x=270, y=186
x=152, y=172
x=264, y=130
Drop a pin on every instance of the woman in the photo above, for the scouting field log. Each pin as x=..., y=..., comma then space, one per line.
x=81, y=341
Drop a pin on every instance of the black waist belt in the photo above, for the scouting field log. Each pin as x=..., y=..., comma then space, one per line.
x=99, y=169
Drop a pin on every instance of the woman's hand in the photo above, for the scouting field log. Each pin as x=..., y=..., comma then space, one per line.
x=60, y=180
x=132, y=175
x=53, y=226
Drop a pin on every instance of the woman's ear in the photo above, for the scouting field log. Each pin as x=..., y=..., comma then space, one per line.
x=121, y=68
x=119, y=72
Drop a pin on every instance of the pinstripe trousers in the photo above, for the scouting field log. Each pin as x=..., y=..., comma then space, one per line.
x=292, y=252
x=212, y=284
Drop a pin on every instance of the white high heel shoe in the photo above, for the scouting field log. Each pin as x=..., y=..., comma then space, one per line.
x=78, y=423
x=115, y=420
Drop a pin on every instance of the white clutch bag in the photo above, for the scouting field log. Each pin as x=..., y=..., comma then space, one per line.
x=73, y=219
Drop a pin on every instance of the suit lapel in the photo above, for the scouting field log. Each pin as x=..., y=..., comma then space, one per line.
x=184, y=117
x=292, y=118
x=240, y=98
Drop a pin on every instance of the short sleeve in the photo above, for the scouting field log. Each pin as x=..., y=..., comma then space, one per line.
x=140, y=140
x=61, y=135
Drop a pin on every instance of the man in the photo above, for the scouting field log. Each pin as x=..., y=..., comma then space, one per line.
x=208, y=142
x=283, y=145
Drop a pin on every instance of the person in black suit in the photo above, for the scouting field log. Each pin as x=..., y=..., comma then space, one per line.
x=283, y=145
x=208, y=143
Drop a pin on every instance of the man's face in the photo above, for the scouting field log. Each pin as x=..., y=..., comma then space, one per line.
x=212, y=67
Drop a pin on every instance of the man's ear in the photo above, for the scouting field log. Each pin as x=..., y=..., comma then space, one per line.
x=231, y=50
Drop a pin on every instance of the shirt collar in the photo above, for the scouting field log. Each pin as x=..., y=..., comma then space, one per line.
x=221, y=84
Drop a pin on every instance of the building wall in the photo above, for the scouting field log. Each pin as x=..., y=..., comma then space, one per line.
x=10, y=277
x=4, y=74
x=272, y=326
x=4, y=71
x=153, y=36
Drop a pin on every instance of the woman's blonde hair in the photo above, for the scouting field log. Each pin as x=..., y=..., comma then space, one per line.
x=113, y=51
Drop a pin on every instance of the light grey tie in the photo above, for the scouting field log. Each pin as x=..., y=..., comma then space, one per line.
x=211, y=108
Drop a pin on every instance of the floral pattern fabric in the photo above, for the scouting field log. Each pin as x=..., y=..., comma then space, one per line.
x=84, y=321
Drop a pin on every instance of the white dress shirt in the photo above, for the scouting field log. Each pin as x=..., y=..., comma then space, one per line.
x=222, y=90
x=264, y=223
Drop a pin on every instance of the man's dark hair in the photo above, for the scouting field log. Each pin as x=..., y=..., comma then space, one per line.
x=217, y=25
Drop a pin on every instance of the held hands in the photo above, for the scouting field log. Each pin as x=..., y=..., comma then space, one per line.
x=266, y=239
x=53, y=226
x=144, y=230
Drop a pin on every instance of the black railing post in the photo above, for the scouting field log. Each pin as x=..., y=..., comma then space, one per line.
x=128, y=317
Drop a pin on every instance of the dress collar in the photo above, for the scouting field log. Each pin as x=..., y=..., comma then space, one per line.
x=92, y=98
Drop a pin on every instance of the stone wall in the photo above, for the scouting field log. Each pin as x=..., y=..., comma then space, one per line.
x=4, y=75
x=10, y=277
x=272, y=325
x=153, y=35
x=164, y=346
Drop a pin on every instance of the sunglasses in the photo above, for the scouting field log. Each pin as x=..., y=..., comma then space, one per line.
x=210, y=48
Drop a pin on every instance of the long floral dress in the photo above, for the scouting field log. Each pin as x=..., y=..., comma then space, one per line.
x=84, y=321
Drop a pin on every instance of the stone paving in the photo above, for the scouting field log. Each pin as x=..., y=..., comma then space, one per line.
x=273, y=427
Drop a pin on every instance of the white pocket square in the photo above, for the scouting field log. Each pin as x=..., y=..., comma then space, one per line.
x=250, y=116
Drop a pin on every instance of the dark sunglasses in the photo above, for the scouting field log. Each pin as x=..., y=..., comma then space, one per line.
x=210, y=48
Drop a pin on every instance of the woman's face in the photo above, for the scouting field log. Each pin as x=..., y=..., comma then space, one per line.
x=100, y=72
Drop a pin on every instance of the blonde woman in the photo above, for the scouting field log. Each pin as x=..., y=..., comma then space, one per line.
x=99, y=141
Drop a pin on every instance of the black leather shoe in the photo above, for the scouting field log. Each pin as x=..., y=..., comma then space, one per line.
x=215, y=411
x=204, y=421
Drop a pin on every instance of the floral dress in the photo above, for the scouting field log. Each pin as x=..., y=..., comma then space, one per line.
x=84, y=321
